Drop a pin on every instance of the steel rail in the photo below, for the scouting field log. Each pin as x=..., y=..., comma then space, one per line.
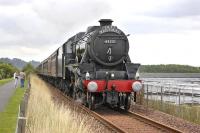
x=152, y=122
x=105, y=122
x=113, y=127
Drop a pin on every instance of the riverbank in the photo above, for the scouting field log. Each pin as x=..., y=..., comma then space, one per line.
x=169, y=75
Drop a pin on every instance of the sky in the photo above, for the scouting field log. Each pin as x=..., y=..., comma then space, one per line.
x=161, y=32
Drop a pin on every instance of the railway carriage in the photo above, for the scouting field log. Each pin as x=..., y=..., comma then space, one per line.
x=94, y=67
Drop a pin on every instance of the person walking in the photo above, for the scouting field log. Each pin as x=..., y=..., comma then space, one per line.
x=22, y=78
x=16, y=76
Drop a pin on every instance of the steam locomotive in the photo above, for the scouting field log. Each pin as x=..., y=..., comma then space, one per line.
x=94, y=67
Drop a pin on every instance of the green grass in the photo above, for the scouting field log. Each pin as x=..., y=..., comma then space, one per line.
x=8, y=117
x=187, y=112
x=3, y=81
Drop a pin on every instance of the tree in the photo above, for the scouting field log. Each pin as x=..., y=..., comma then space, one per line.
x=6, y=70
x=28, y=69
x=171, y=68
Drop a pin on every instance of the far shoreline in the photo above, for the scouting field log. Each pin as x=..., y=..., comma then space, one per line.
x=169, y=75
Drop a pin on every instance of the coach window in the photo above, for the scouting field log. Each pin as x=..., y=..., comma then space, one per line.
x=73, y=49
x=80, y=49
x=69, y=47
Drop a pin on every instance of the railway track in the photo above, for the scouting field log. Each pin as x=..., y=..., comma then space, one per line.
x=133, y=122
x=153, y=123
x=112, y=127
x=124, y=122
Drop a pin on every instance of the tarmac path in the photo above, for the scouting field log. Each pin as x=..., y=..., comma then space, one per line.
x=6, y=91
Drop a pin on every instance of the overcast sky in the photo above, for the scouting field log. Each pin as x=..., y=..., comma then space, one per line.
x=162, y=32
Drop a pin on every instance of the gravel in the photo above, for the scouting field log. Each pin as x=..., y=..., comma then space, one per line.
x=178, y=123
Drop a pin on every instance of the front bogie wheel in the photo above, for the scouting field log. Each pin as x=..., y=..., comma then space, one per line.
x=127, y=104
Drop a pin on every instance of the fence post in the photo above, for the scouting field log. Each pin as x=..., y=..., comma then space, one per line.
x=21, y=121
x=161, y=98
x=147, y=95
x=192, y=96
x=179, y=96
x=16, y=129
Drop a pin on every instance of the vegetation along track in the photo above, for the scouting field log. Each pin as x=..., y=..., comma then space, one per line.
x=122, y=121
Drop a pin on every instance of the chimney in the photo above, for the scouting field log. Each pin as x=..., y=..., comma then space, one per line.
x=104, y=22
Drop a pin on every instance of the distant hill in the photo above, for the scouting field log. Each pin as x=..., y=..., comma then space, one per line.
x=34, y=63
x=170, y=68
x=18, y=62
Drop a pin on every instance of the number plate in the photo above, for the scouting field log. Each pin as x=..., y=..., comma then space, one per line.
x=110, y=41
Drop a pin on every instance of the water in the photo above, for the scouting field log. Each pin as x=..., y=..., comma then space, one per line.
x=183, y=83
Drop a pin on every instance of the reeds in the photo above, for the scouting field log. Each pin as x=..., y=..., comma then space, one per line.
x=47, y=116
x=190, y=113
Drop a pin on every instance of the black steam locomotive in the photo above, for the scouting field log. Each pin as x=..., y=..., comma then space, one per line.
x=94, y=67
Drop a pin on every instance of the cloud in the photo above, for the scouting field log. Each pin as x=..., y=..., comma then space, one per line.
x=45, y=23
x=33, y=29
x=12, y=2
x=64, y=16
x=165, y=48
x=155, y=16
x=151, y=25
x=27, y=50
x=177, y=8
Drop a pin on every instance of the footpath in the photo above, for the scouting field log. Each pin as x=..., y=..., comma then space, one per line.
x=6, y=91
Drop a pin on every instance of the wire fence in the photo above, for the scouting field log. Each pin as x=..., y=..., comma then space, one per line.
x=178, y=95
x=179, y=101
x=21, y=119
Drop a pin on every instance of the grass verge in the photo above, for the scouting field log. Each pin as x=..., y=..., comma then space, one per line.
x=8, y=117
x=4, y=81
x=190, y=113
x=47, y=115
